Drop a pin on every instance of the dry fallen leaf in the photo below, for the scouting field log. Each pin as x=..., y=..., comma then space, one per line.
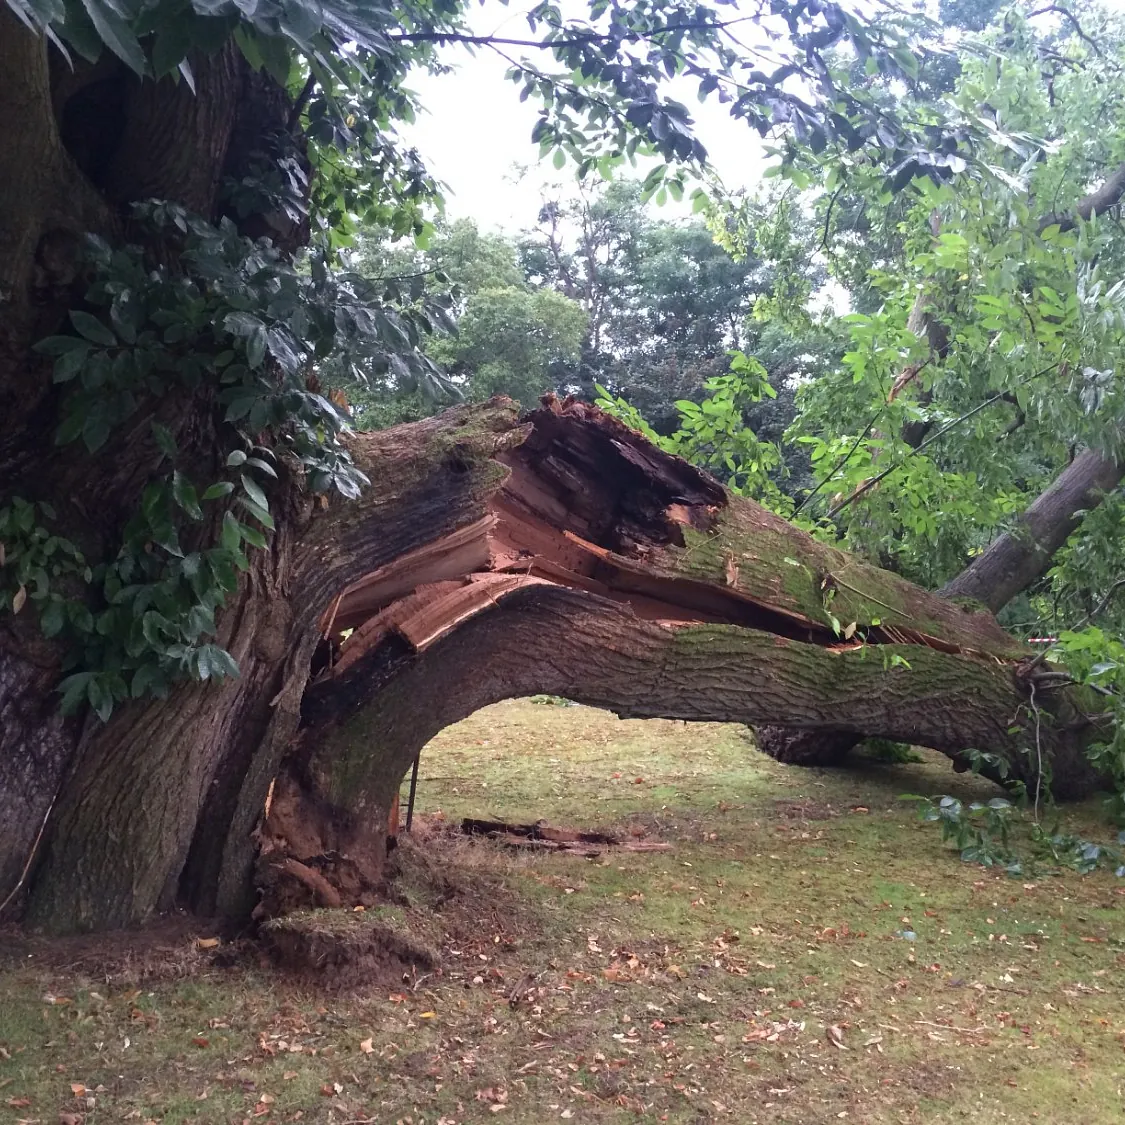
x=19, y=1103
x=367, y=1046
x=201, y=1041
x=835, y=1036
x=206, y=942
x=78, y=1089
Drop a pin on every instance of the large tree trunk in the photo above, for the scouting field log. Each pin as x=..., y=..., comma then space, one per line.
x=620, y=578
x=81, y=143
x=162, y=800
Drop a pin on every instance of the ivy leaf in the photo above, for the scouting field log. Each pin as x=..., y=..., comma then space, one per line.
x=100, y=698
x=60, y=345
x=256, y=347
x=281, y=346
x=219, y=488
x=231, y=538
x=71, y=363
x=258, y=512
x=185, y=495
x=117, y=35
x=222, y=663
x=254, y=491
x=170, y=43
x=92, y=328
x=253, y=536
x=264, y=466
x=95, y=430
x=52, y=619
x=73, y=691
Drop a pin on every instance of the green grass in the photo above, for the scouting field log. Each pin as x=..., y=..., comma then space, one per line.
x=693, y=985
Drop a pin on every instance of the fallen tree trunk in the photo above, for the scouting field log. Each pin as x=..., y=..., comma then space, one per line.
x=1007, y=567
x=607, y=572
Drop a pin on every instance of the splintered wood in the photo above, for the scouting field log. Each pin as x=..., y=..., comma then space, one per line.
x=565, y=516
x=587, y=504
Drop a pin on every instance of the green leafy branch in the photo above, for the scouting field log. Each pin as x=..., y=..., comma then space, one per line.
x=241, y=326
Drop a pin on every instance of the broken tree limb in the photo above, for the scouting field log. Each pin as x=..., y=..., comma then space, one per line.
x=540, y=830
x=595, y=567
x=1018, y=557
x=1098, y=201
x=542, y=836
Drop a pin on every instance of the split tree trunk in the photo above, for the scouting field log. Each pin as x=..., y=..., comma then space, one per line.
x=607, y=572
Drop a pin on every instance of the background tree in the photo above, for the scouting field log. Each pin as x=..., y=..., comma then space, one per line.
x=511, y=337
x=665, y=302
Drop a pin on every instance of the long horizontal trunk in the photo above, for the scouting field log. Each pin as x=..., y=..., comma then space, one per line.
x=609, y=573
x=1009, y=565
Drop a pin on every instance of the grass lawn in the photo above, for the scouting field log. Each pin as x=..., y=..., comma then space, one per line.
x=806, y=952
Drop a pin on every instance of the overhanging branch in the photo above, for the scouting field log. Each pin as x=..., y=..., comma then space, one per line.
x=1096, y=203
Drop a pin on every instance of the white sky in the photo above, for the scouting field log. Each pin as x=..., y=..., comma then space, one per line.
x=475, y=132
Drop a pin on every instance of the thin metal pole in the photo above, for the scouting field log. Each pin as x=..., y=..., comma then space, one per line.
x=413, y=790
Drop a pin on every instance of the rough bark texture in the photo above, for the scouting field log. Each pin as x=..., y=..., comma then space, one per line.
x=37, y=745
x=1009, y=565
x=81, y=143
x=498, y=556
x=164, y=798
